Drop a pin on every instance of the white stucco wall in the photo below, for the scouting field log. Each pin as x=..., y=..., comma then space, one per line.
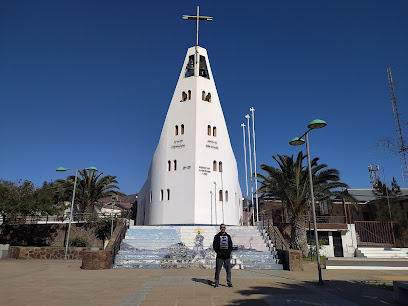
x=349, y=241
x=194, y=198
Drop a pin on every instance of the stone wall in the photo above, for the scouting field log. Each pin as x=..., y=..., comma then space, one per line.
x=47, y=234
x=103, y=259
x=18, y=252
x=96, y=260
x=292, y=260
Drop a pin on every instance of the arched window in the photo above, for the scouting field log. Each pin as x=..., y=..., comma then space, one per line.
x=176, y=130
x=189, y=95
x=203, y=97
x=151, y=196
x=220, y=195
x=168, y=194
x=208, y=98
x=175, y=165
x=183, y=96
x=226, y=195
x=214, y=165
x=214, y=131
x=182, y=130
x=209, y=130
x=220, y=166
x=168, y=165
x=161, y=194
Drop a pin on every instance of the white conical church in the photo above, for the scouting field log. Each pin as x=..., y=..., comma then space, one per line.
x=193, y=176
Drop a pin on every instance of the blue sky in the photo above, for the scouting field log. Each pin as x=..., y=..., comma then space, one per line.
x=88, y=83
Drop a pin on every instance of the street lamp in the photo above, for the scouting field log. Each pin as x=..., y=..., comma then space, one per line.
x=315, y=124
x=62, y=169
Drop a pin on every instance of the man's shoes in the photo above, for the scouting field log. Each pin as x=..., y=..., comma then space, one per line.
x=230, y=285
x=215, y=285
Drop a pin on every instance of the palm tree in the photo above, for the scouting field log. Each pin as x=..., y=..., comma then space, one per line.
x=90, y=188
x=290, y=184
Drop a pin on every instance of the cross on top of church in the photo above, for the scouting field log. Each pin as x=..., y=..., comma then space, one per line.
x=198, y=18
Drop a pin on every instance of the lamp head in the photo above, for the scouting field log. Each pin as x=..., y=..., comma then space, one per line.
x=297, y=141
x=247, y=116
x=316, y=124
x=61, y=169
x=91, y=169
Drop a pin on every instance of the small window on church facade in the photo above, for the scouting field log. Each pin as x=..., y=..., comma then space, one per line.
x=214, y=165
x=220, y=166
x=151, y=196
x=182, y=130
x=189, y=95
x=220, y=195
x=161, y=194
x=175, y=165
x=176, y=130
x=183, y=96
x=203, y=96
x=214, y=131
x=209, y=130
x=168, y=165
x=208, y=98
x=226, y=195
x=168, y=194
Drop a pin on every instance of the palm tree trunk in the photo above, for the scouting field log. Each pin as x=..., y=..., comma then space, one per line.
x=298, y=239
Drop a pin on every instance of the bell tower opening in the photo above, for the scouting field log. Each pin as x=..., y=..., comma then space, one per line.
x=190, y=67
x=203, y=68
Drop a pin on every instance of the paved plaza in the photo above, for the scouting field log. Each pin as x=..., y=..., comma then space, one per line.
x=55, y=282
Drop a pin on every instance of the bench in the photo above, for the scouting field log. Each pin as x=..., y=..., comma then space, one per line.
x=401, y=292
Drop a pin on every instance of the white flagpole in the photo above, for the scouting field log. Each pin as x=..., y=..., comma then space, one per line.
x=250, y=168
x=246, y=169
x=256, y=176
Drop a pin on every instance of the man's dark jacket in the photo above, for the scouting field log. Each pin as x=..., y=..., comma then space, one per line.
x=223, y=252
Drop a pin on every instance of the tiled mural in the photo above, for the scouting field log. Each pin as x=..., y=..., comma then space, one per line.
x=191, y=247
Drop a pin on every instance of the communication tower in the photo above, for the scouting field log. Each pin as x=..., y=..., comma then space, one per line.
x=401, y=147
x=374, y=176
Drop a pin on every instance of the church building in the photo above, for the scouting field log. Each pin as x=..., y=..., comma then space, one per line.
x=193, y=176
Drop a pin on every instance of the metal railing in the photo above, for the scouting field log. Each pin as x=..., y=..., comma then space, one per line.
x=274, y=234
x=375, y=233
x=326, y=219
x=115, y=246
x=76, y=217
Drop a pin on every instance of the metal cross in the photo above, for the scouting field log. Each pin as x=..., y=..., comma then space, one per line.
x=198, y=17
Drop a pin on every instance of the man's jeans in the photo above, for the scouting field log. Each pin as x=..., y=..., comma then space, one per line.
x=218, y=265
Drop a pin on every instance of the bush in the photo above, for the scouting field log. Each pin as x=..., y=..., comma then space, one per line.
x=78, y=242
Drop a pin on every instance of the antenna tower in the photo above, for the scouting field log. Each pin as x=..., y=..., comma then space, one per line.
x=374, y=176
x=400, y=141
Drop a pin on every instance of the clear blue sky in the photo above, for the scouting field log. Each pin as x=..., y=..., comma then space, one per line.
x=88, y=83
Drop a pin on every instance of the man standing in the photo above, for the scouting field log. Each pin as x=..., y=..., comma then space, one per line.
x=223, y=247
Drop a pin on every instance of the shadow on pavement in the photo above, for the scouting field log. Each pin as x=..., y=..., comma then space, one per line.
x=310, y=293
x=203, y=281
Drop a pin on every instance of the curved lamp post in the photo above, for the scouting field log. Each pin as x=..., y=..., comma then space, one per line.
x=62, y=169
x=315, y=124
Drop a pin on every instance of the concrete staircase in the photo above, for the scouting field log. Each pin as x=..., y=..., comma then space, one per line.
x=371, y=259
x=191, y=247
x=380, y=253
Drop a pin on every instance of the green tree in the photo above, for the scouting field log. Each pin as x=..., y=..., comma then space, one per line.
x=388, y=207
x=290, y=184
x=22, y=199
x=90, y=188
